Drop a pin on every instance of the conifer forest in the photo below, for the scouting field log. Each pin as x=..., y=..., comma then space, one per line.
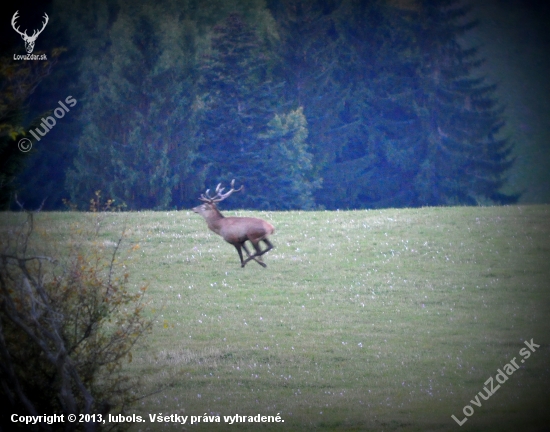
x=310, y=104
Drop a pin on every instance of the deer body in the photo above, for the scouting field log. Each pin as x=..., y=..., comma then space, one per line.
x=236, y=230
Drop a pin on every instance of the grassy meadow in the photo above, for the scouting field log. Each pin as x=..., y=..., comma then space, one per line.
x=383, y=320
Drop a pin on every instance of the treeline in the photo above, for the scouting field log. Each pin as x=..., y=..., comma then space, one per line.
x=327, y=103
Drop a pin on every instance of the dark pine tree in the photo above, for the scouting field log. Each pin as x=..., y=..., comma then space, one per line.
x=351, y=146
x=242, y=136
x=288, y=183
x=421, y=126
x=440, y=121
x=138, y=143
x=313, y=63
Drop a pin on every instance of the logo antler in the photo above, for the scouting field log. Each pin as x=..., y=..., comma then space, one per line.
x=29, y=40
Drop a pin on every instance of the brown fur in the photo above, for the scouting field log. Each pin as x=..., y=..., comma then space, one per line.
x=238, y=230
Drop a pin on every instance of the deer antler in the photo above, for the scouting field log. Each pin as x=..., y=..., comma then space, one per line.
x=205, y=197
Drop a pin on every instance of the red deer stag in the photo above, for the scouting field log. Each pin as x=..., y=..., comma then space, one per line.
x=235, y=230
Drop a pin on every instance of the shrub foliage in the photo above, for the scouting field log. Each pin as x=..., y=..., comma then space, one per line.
x=68, y=323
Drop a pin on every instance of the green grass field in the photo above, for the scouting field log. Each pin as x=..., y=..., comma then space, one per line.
x=387, y=320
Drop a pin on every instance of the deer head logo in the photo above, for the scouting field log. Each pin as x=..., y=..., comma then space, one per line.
x=29, y=40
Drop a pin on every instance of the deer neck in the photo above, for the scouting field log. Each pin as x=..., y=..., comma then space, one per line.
x=215, y=221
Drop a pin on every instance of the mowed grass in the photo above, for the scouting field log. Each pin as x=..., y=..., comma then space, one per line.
x=363, y=320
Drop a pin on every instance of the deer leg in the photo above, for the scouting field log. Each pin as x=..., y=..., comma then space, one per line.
x=259, y=251
x=269, y=246
x=238, y=247
x=252, y=257
x=256, y=257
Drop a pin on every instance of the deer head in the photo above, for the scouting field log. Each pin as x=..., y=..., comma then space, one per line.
x=209, y=210
x=29, y=40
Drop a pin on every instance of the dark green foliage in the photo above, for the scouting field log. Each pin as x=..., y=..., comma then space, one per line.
x=238, y=100
x=11, y=131
x=242, y=136
x=313, y=66
x=332, y=103
x=455, y=114
x=286, y=183
x=137, y=144
x=11, y=163
x=418, y=128
x=18, y=80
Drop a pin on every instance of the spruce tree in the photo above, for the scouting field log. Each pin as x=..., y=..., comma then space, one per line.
x=312, y=65
x=424, y=128
x=351, y=146
x=287, y=182
x=138, y=143
x=463, y=158
x=242, y=135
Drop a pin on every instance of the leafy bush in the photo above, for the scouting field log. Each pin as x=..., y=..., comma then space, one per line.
x=68, y=323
